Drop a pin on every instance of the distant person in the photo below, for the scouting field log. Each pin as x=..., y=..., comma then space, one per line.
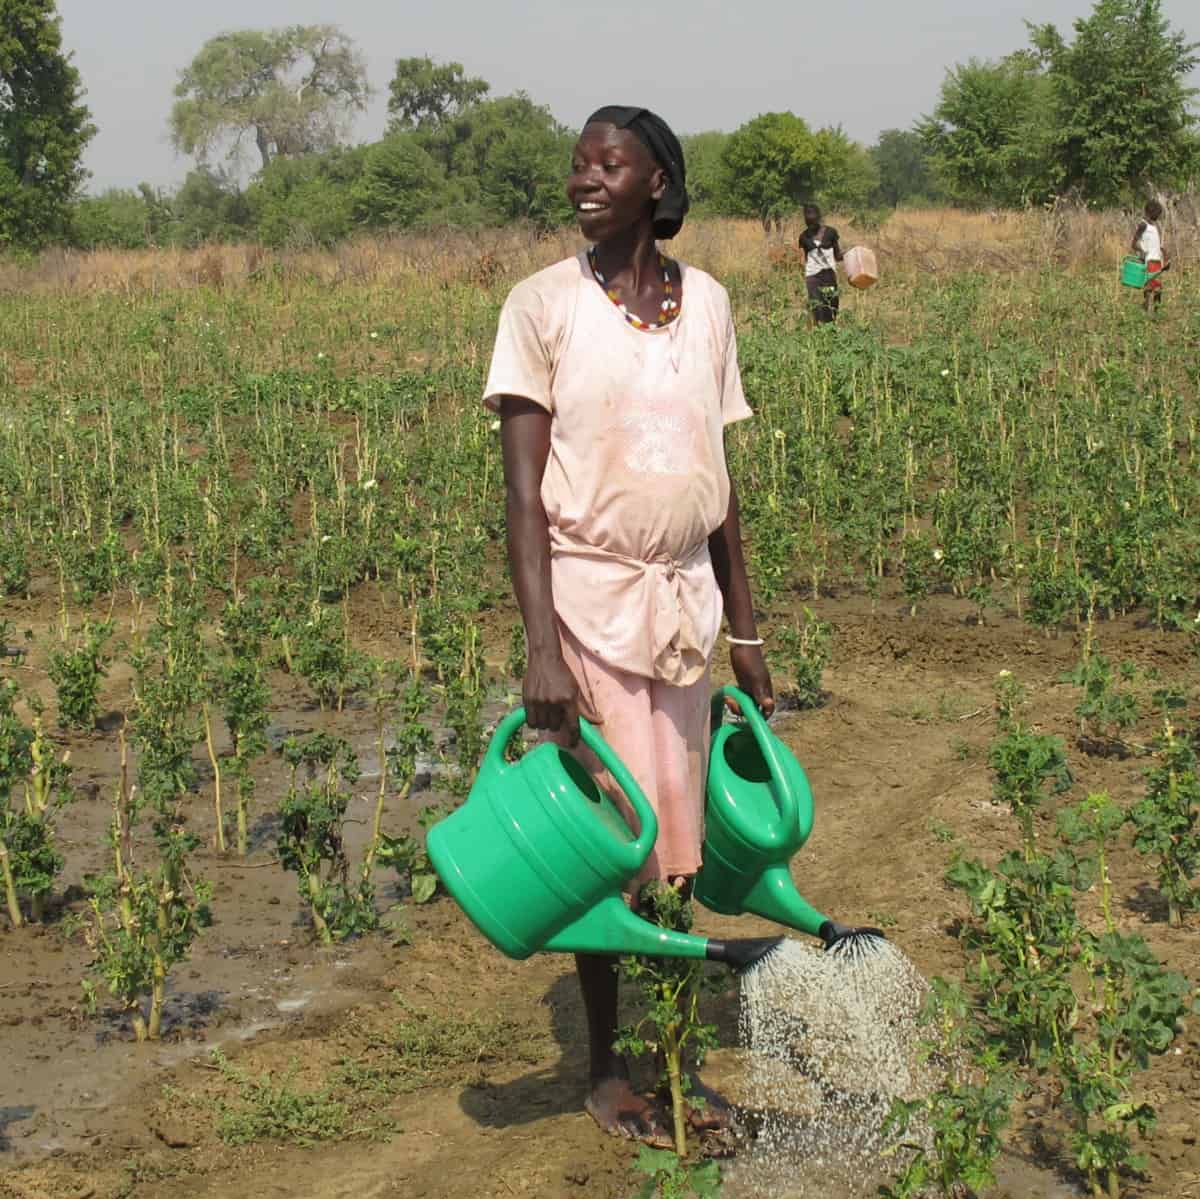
x=821, y=252
x=615, y=375
x=1148, y=245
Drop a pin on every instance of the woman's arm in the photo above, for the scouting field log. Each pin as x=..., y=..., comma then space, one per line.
x=1137, y=238
x=729, y=566
x=549, y=690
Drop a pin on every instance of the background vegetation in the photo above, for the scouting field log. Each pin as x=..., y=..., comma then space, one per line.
x=1102, y=116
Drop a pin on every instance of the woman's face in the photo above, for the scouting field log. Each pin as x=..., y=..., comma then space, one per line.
x=812, y=218
x=614, y=181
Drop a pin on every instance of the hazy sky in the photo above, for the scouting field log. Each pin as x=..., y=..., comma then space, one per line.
x=704, y=64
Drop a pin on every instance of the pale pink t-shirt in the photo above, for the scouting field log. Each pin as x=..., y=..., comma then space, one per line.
x=636, y=477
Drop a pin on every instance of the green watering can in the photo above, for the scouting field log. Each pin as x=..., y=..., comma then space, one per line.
x=538, y=855
x=760, y=812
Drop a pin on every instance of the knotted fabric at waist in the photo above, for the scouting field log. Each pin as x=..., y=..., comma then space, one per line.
x=656, y=617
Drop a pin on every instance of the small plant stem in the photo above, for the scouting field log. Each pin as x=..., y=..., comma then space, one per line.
x=243, y=835
x=158, y=992
x=216, y=766
x=140, y=1031
x=10, y=889
x=380, y=799
x=1105, y=888
x=1114, y=1183
x=674, y=1052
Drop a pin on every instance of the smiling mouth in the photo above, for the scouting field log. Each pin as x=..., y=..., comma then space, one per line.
x=590, y=206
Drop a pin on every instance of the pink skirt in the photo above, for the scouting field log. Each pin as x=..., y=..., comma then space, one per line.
x=661, y=733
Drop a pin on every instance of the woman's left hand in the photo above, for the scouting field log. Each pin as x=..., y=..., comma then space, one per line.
x=753, y=677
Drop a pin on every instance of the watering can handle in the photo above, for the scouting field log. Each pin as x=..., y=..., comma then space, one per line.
x=647, y=820
x=785, y=796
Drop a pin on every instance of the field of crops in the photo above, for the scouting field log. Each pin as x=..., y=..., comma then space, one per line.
x=255, y=626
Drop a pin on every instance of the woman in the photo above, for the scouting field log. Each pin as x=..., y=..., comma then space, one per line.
x=1148, y=244
x=821, y=251
x=615, y=373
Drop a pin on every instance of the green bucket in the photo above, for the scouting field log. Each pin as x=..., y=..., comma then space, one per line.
x=1134, y=272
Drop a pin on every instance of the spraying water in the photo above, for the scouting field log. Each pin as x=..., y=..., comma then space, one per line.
x=830, y=1039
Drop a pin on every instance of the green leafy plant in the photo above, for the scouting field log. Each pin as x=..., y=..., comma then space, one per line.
x=803, y=651
x=310, y=841
x=1105, y=710
x=668, y=1176
x=143, y=921
x=78, y=672
x=670, y=1025
x=1166, y=819
x=951, y=1138
x=34, y=786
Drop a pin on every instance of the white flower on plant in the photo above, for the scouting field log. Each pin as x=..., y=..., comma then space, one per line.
x=945, y=373
x=1005, y=674
x=780, y=435
x=370, y=484
x=320, y=355
x=938, y=555
x=327, y=537
x=495, y=426
x=374, y=335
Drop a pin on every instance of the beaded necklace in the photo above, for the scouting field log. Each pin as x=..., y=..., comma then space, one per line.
x=669, y=306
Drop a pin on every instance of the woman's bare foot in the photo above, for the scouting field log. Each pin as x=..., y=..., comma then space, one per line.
x=712, y=1113
x=621, y=1111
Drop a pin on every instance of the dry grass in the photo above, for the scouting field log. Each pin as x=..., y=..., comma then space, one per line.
x=932, y=241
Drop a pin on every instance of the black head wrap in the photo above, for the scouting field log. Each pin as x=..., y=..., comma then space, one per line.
x=655, y=134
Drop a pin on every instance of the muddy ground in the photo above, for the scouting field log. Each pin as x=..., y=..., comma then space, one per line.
x=452, y=1071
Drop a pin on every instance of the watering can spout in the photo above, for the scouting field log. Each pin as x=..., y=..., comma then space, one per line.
x=609, y=927
x=775, y=897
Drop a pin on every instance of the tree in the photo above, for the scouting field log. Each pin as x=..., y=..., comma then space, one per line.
x=425, y=93
x=990, y=137
x=401, y=184
x=904, y=174
x=705, y=173
x=293, y=90
x=771, y=165
x=1119, y=98
x=846, y=173
x=307, y=199
x=508, y=158
x=44, y=125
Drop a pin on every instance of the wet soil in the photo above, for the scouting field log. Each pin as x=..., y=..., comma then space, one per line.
x=462, y=1071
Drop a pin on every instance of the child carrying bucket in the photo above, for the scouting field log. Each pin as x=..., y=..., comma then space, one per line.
x=1148, y=245
x=615, y=374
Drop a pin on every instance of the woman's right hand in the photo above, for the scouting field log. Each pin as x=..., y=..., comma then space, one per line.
x=552, y=697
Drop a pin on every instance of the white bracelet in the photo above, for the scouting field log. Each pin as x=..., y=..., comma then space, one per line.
x=745, y=640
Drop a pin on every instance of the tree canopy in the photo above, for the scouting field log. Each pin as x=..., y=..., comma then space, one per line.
x=424, y=93
x=292, y=90
x=1103, y=116
x=44, y=125
x=1122, y=115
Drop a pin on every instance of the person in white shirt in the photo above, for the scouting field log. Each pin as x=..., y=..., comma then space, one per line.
x=1147, y=243
x=821, y=251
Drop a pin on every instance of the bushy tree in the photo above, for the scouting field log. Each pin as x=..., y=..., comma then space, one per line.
x=400, y=186
x=307, y=200
x=771, y=166
x=292, y=90
x=44, y=125
x=507, y=157
x=1120, y=99
x=424, y=93
x=123, y=218
x=846, y=173
x=705, y=173
x=904, y=175
x=990, y=136
x=208, y=206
